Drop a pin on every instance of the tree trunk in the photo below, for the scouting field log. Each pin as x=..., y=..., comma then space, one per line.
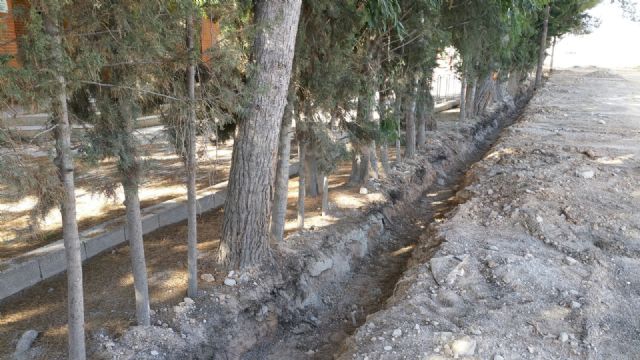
x=311, y=171
x=471, y=97
x=245, y=231
x=354, y=177
x=192, y=220
x=65, y=165
x=463, y=97
x=384, y=158
x=325, y=195
x=282, y=169
x=301, y=183
x=543, y=46
x=373, y=160
x=422, y=112
x=553, y=54
x=431, y=124
x=398, y=114
x=136, y=246
x=410, y=122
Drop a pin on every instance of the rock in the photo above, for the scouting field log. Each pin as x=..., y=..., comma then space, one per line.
x=602, y=122
x=570, y=261
x=387, y=348
x=230, y=282
x=364, y=191
x=564, y=337
x=188, y=301
x=575, y=305
x=585, y=173
x=447, y=268
x=207, y=277
x=320, y=266
x=498, y=357
x=465, y=346
x=25, y=342
x=154, y=353
x=396, y=333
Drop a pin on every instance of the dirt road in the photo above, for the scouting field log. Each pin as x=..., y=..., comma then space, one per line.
x=542, y=260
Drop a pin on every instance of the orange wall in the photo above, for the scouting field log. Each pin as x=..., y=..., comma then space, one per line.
x=8, y=43
x=208, y=36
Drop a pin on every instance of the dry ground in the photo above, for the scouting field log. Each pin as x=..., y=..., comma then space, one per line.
x=542, y=260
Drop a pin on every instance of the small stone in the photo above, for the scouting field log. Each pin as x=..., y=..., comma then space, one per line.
x=530, y=349
x=364, y=191
x=602, y=122
x=564, y=337
x=207, y=277
x=465, y=346
x=388, y=348
x=230, y=282
x=154, y=353
x=586, y=173
x=570, y=261
x=25, y=342
x=498, y=357
x=490, y=192
x=188, y=301
x=396, y=333
x=575, y=305
x=492, y=264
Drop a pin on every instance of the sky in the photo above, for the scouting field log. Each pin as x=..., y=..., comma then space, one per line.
x=614, y=44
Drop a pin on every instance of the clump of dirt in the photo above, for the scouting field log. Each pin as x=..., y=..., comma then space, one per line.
x=541, y=261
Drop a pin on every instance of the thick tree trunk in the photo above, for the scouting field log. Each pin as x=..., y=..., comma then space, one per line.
x=65, y=165
x=373, y=160
x=282, y=169
x=543, y=46
x=245, y=231
x=354, y=177
x=463, y=97
x=325, y=195
x=431, y=124
x=301, y=183
x=486, y=95
x=384, y=158
x=136, y=246
x=410, y=122
x=311, y=172
x=192, y=201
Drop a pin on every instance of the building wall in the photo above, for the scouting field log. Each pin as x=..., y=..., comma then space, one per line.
x=12, y=28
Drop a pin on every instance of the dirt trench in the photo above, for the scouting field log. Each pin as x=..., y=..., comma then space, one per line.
x=321, y=335
x=325, y=283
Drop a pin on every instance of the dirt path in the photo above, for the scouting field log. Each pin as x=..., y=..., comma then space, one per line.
x=541, y=261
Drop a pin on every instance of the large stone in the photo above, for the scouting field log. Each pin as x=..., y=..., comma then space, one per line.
x=25, y=342
x=18, y=277
x=319, y=266
x=447, y=268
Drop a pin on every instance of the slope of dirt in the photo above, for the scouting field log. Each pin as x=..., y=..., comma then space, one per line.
x=542, y=260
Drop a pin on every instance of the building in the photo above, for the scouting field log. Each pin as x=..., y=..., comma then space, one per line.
x=11, y=28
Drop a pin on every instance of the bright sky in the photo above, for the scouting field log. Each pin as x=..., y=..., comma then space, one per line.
x=615, y=44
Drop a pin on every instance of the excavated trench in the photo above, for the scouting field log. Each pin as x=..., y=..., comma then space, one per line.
x=321, y=333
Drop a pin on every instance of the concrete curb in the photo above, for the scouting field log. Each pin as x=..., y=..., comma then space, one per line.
x=37, y=265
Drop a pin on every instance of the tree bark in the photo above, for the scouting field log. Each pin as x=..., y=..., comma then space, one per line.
x=65, y=165
x=410, y=122
x=136, y=246
x=543, y=46
x=282, y=169
x=192, y=221
x=398, y=114
x=245, y=230
x=471, y=97
x=325, y=195
x=313, y=182
x=301, y=183
x=553, y=54
x=422, y=112
x=463, y=97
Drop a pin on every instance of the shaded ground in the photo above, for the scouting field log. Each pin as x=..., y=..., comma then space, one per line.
x=541, y=261
x=109, y=300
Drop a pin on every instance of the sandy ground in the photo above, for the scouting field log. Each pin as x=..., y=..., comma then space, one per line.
x=163, y=180
x=542, y=260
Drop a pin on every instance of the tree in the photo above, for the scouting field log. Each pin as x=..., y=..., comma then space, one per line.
x=543, y=46
x=245, y=231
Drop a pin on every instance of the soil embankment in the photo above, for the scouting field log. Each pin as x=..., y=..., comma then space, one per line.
x=542, y=260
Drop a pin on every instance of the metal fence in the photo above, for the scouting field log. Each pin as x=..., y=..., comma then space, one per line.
x=445, y=87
